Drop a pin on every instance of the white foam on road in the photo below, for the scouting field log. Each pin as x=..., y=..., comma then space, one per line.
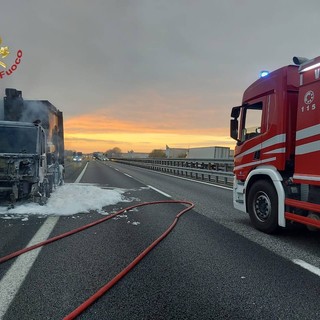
x=70, y=199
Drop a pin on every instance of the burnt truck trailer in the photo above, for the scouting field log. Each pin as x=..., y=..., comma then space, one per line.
x=31, y=148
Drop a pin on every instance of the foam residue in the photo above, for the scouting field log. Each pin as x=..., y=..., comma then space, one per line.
x=70, y=199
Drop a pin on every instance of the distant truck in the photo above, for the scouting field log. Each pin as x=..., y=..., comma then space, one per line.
x=222, y=153
x=31, y=148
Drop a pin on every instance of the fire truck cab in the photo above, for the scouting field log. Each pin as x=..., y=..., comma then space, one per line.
x=277, y=155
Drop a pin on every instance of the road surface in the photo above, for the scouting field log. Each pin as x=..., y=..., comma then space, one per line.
x=213, y=265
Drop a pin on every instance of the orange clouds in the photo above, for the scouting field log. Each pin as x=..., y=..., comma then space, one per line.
x=101, y=123
x=93, y=133
x=147, y=122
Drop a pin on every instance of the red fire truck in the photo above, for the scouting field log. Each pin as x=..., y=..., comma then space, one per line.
x=277, y=155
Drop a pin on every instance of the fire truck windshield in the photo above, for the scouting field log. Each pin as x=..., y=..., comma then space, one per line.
x=252, y=121
x=18, y=139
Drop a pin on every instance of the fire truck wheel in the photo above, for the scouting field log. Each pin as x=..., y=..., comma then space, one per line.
x=263, y=206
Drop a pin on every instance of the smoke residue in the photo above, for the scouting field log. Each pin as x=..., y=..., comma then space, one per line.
x=33, y=111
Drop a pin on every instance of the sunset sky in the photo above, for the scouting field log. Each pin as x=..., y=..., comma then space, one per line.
x=143, y=74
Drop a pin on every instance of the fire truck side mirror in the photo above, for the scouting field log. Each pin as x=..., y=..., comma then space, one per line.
x=234, y=129
x=234, y=125
x=235, y=112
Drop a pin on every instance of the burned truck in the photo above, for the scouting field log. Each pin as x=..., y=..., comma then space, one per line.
x=31, y=148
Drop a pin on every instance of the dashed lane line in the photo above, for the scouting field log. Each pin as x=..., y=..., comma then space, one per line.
x=128, y=175
x=307, y=266
x=81, y=174
x=161, y=192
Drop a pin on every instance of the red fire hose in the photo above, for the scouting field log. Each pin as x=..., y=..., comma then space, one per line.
x=130, y=266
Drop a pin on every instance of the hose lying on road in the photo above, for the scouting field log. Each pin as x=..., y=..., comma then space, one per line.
x=130, y=266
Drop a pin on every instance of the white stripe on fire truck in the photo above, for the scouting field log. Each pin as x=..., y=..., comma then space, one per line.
x=308, y=147
x=280, y=150
x=254, y=163
x=308, y=132
x=305, y=177
x=280, y=138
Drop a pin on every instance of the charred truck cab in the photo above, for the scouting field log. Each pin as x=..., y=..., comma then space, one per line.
x=31, y=148
x=277, y=154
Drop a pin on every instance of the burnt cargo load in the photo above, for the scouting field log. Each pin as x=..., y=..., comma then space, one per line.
x=31, y=148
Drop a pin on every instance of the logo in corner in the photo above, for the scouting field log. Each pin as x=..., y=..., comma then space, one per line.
x=4, y=53
x=309, y=97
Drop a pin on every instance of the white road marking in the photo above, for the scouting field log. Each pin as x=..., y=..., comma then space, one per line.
x=196, y=181
x=307, y=266
x=116, y=169
x=81, y=174
x=13, y=279
x=163, y=193
x=128, y=175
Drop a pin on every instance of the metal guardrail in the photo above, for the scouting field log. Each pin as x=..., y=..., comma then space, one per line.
x=214, y=171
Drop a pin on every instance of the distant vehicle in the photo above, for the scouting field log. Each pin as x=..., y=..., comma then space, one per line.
x=209, y=153
x=77, y=156
x=31, y=148
x=99, y=156
x=95, y=155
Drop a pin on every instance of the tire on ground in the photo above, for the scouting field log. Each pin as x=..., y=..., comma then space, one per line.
x=263, y=206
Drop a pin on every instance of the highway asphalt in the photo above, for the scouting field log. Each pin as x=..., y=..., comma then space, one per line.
x=213, y=265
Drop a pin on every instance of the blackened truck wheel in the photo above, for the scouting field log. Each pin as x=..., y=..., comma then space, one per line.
x=263, y=206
